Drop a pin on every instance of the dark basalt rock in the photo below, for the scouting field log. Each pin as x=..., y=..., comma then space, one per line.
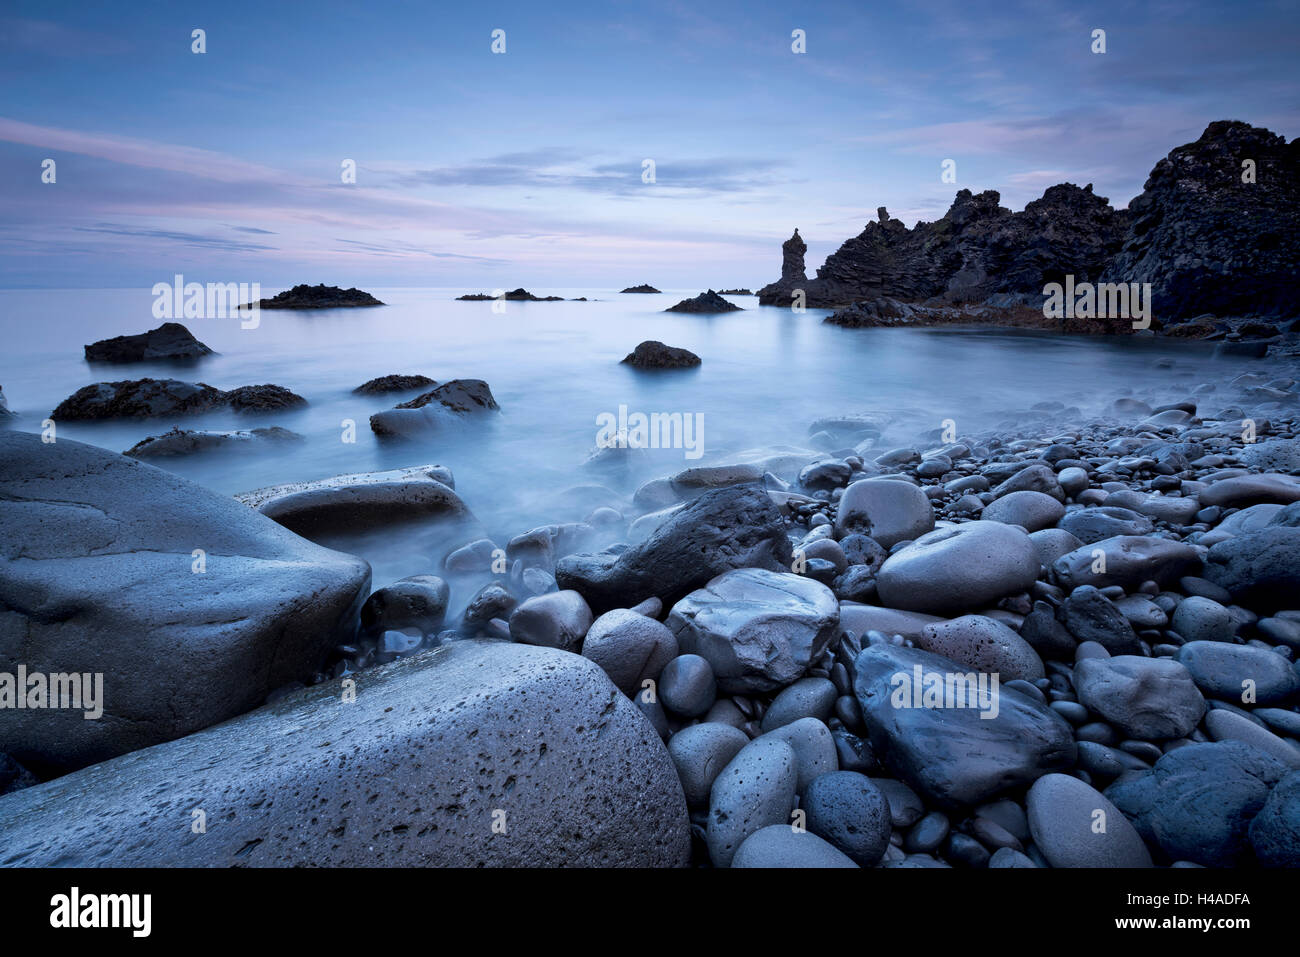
x=394, y=383
x=653, y=354
x=644, y=287
x=1206, y=241
x=142, y=398
x=169, y=342
x=188, y=441
x=887, y=311
x=705, y=302
x=5, y=411
x=451, y=402
x=735, y=292
x=515, y=295
x=319, y=296
x=734, y=527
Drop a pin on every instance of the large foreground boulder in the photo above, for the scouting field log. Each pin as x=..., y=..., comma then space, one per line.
x=191, y=606
x=734, y=527
x=472, y=754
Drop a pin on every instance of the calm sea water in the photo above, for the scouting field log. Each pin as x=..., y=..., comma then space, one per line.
x=554, y=367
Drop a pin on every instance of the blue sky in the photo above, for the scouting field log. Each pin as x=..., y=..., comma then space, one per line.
x=480, y=170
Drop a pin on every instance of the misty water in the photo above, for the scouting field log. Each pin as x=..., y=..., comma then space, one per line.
x=554, y=368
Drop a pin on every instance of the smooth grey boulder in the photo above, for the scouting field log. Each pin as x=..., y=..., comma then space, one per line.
x=687, y=686
x=1225, y=725
x=1275, y=830
x=958, y=568
x=629, y=647
x=969, y=748
x=1073, y=825
x=779, y=845
x=1032, y=511
x=1202, y=619
x=984, y=644
x=360, y=502
x=1090, y=616
x=192, y=607
x=887, y=511
x=418, y=602
x=1091, y=525
x=1229, y=671
x=450, y=404
x=700, y=752
x=1197, y=803
x=849, y=811
x=734, y=527
x=812, y=697
x=857, y=620
x=558, y=619
x=1259, y=569
x=1052, y=543
x=759, y=629
x=756, y=789
x=814, y=748
x=1151, y=699
x=433, y=752
x=1264, y=488
x=1127, y=560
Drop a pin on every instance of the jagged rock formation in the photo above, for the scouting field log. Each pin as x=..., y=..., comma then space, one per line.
x=886, y=311
x=142, y=398
x=1207, y=241
x=169, y=342
x=977, y=250
x=319, y=296
x=705, y=302
x=644, y=287
x=735, y=292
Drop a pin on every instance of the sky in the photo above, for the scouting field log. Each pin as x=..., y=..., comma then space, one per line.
x=486, y=170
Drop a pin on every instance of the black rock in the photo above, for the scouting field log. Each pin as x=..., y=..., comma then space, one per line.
x=319, y=296
x=142, y=398
x=653, y=354
x=705, y=302
x=169, y=342
x=394, y=383
x=644, y=287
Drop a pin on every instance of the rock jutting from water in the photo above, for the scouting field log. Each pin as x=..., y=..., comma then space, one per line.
x=191, y=441
x=452, y=403
x=319, y=296
x=653, y=354
x=169, y=342
x=394, y=383
x=643, y=288
x=705, y=302
x=514, y=295
x=148, y=398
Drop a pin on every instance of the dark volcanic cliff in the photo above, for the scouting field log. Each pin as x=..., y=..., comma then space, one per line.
x=1206, y=241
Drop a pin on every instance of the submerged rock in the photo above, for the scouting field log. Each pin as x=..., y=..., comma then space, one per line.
x=470, y=755
x=169, y=342
x=189, y=441
x=348, y=504
x=451, y=403
x=191, y=606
